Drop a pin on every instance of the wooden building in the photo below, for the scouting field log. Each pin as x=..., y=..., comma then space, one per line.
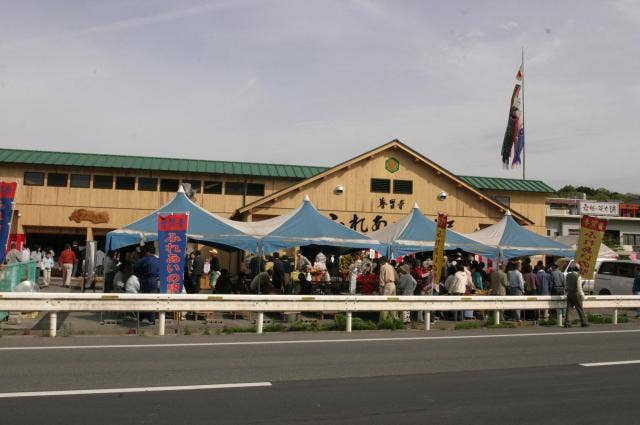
x=75, y=196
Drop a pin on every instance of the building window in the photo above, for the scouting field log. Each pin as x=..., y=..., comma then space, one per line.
x=234, y=188
x=404, y=187
x=80, y=180
x=630, y=239
x=255, y=189
x=57, y=180
x=380, y=185
x=148, y=184
x=33, y=178
x=196, y=185
x=574, y=231
x=169, y=185
x=125, y=183
x=102, y=182
x=214, y=188
x=504, y=200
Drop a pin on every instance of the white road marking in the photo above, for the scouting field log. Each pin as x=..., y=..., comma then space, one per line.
x=133, y=390
x=313, y=341
x=610, y=363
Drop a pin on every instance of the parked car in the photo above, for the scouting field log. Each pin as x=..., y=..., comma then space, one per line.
x=564, y=264
x=615, y=277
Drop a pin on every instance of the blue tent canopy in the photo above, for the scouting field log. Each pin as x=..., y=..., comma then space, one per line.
x=417, y=233
x=514, y=240
x=306, y=226
x=204, y=227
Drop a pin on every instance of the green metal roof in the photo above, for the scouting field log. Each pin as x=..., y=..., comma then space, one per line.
x=513, y=185
x=298, y=172
x=160, y=164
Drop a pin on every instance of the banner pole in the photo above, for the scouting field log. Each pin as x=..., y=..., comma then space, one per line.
x=524, y=139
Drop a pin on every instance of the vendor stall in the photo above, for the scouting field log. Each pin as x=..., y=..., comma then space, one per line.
x=417, y=233
x=204, y=227
x=513, y=240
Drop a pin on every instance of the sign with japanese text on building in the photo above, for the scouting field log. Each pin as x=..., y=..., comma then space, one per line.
x=438, y=248
x=172, y=243
x=7, y=194
x=599, y=208
x=591, y=233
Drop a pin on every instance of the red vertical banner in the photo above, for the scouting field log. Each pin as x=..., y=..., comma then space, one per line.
x=438, y=248
x=591, y=233
x=172, y=243
x=7, y=195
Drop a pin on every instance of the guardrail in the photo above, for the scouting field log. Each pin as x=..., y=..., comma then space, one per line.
x=12, y=274
x=162, y=303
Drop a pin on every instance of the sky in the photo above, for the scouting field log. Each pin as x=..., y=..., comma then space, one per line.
x=319, y=82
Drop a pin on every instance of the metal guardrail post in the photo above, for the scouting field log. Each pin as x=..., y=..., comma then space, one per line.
x=496, y=317
x=259, y=322
x=349, y=318
x=615, y=317
x=560, y=321
x=427, y=320
x=53, y=324
x=161, y=323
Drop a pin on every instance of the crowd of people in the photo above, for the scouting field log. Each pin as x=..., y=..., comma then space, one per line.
x=137, y=271
x=69, y=261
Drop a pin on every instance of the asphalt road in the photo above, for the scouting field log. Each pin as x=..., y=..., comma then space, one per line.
x=475, y=377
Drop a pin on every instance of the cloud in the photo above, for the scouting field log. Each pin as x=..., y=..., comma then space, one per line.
x=123, y=24
x=335, y=77
x=509, y=26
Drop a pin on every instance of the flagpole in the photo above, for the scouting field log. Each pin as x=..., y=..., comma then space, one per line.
x=524, y=139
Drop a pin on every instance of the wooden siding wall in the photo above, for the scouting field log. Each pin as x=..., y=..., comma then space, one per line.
x=44, y=206
x=467, y=209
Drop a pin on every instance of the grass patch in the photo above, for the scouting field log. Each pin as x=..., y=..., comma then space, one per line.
x=275, y=327
x=502, y=325
x=206, y=331
x=468, y=325
x=303, y=327
x=548, y=322
x=391, y=324
x=235, y=330
x=600, y=319
x=358, y=324
x=186, y=331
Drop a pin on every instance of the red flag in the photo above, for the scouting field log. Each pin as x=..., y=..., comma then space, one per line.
x=520, y=73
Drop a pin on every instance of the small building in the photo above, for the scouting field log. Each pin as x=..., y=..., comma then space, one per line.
x=623, y=227
x=66, y=196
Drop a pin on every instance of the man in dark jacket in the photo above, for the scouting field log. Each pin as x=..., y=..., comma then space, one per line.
x=557, y=281
x=196, y=272
x=147, y=269
x=214, y=269
x=575, y=295
x=278, y=271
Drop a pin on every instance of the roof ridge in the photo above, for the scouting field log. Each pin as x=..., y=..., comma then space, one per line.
x=501, y=178
x=159, y=157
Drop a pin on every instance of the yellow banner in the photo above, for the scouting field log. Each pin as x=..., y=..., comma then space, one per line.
x=438, y=248
x=591, y=233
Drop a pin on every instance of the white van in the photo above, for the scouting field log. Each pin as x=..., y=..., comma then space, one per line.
x=615, y=277
x=565, y=264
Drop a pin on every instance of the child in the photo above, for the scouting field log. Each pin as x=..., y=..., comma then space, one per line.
x=47, y=265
